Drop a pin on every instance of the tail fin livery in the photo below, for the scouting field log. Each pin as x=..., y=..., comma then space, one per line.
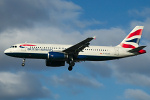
x=133, y=39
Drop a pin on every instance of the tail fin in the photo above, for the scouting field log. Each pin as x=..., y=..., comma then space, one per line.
x=133, y=39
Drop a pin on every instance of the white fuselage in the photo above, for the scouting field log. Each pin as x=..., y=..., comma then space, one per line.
x=91, y=53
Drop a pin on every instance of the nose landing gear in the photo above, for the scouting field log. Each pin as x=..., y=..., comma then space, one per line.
x=23, y=63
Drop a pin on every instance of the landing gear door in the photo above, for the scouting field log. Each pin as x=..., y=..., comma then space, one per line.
x=116, y=51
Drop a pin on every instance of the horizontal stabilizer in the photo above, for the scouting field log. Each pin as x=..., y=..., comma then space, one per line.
x=137, y=49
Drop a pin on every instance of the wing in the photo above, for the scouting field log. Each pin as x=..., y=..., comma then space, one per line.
x=75, y=49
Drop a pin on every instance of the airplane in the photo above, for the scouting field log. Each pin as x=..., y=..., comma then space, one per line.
x=56, y=55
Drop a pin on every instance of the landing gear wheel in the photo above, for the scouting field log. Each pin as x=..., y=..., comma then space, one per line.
x=70, y=68
x=23, y=64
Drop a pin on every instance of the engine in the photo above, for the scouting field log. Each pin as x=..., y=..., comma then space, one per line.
x=55, y=63
x=57, y=56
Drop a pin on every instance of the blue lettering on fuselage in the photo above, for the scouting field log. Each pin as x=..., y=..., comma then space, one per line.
x=39, y=49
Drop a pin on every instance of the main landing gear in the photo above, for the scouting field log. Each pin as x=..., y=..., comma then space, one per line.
x=70, y=68
x=23, y=63
x=71, y=64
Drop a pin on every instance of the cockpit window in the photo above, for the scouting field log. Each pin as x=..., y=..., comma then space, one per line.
x=13, y=47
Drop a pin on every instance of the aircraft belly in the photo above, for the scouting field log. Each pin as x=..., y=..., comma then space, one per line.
x=29, y=55
x=96, y=58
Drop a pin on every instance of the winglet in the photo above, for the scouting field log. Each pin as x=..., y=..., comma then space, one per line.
x=94, y=37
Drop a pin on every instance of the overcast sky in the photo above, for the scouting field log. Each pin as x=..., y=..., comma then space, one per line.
x=69, y=22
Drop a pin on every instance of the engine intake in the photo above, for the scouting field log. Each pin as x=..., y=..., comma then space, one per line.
x=57, y=56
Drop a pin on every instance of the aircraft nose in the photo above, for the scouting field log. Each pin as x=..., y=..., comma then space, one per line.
x=6, y=51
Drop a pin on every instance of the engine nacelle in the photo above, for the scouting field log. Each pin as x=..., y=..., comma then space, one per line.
x=57, y=56
x=55, y=63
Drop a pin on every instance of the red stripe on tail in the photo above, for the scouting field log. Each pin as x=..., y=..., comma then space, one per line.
x=138, y=32
x=127, y=46
x=142, y=51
